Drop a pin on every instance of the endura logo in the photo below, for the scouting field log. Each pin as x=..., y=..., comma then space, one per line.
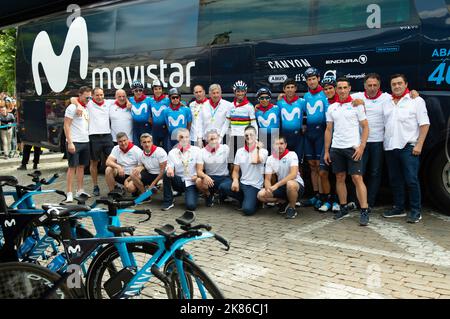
x=56, y=67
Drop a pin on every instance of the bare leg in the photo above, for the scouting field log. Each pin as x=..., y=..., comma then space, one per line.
x=110, y=173
x=292, y=192
x=361, y=190
x=70, y=173
x=137, y=183
x=80, y=175
x=94, y=172
x=341, y=188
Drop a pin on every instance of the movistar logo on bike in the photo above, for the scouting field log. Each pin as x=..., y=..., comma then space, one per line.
x=56, y=67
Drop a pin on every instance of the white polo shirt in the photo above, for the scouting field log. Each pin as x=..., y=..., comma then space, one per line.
x=79, y=129
x=402, y=121
x=374, y=113
x=251, y=174
x=345, y=118
x=214, y=118
x=128, y=160
x=196, y=110
x=177, y=160
x=282, y=167
x=99, y=117
x=121, y=121
x=215, y=163
x=151, y=162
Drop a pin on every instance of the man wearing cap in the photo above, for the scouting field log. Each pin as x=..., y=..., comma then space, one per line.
x=140, y=111
x=176, y=116
x=267, y=116
x=158, y=103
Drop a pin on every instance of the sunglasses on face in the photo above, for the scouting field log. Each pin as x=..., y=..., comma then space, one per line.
x=261, y=98
x=138, y=90
x=175, y=97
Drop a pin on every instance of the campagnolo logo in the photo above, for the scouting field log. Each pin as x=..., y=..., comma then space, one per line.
x=362, y=59
x=56, y=67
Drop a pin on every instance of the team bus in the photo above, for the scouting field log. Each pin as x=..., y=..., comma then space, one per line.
x=184, y=42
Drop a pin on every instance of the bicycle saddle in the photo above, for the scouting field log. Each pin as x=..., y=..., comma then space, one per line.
x=9, y=180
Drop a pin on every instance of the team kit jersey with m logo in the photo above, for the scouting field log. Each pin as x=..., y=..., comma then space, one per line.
x=316, y=107
x=291, y=114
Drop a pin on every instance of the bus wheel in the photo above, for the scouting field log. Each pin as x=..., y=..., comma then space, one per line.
x=438, y=182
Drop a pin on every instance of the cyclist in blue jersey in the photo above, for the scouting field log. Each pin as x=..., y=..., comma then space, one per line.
x=292, y=109
x=158, y=103
x=316, y=107
x=140, y=111
x=176, y=116
x=268, y=117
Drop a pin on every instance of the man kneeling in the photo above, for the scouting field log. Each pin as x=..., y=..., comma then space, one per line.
x=123, y=159
x=289, y=186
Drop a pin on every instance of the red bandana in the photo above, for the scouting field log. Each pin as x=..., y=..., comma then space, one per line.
x=130, y=145
x=81, y=103
x=264, y=109
x=121, y=106
x=249, y=149
x=143, y=97
x=244, y=101
x=183, y=149
x=275, y=154
x=152, y=150
x=99, y=104
x=295, y=98
x=202, y=101
x=316, y=90
x=159, y=99
x=175, y=108
x=214, y=105
x=375, y=97
x=334, y=99
x=212, y=150
x=347, y=100
x=394, y=97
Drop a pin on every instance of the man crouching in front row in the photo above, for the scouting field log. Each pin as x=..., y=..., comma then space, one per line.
x=289, y=186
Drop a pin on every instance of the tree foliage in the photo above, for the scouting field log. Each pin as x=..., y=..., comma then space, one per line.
x=7, y=60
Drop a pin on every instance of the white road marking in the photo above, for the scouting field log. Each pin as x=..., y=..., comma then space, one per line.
x=300, y=232
x=240, y=272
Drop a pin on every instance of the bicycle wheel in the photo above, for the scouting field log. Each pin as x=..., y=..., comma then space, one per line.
x=106, y=275
x=30, y=281
x=199, y=284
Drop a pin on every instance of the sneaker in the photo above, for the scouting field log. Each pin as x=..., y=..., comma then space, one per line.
x=298, y=204
x=167, y=207
x=176, y=193
x=310, y=202
x=318, y=204
x=82, y=193
x=270, y=204
x=69, y=198
x=209, y=200
x=414, y=217
x=341, y=213
x=351, y=206
x=364, y=217
x=96, y=191
x=22, y=168
x=291, y=213
x=335, y=207
x=282, y=208
x=394, y=213
x=325, y=207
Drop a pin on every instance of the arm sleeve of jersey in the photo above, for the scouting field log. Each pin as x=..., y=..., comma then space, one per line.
x=200, y=158
x=188, y=114
x=421, y=112
x=199, y=126
x=236, y=158
x=268, y=168
x=164, y=115
x=115, y=152
x=263, y=153
x=162, y=157
x=328, y=116
x=70, y=111
x=225, y=125
x=253, y=118
x=294, y=160
x=170, y=161
x=361, y=113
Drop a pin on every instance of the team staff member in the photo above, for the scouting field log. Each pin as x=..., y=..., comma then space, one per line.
x=152, y=165
x=181, y=172
x=347, y=148
x=213, y=116
x=292, y=109
x=197, y=107
x=212, y=167
x=120, y=163
x=267, y=116
x=120, y=115
x=140, y=111
x=249, y=161
x=177, y=116
x=241, y=115
x=406, y=126
x=289, y=184
x=158, y=103
x=76, y=130
x=316, y=107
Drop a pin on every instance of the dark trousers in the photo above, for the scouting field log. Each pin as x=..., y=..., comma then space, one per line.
x=403, y=168
x=27, y=153
x=190, y=193
x=140, y=128
x=247, y=196
x=160, y=137
x=372, y=162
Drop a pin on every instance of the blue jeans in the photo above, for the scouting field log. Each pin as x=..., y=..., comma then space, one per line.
x=140, y=128
x=190, y=192
x=372, y=162
x=403, y=168
x=246, y=196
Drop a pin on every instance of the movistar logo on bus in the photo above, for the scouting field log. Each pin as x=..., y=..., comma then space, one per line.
x=56, y=67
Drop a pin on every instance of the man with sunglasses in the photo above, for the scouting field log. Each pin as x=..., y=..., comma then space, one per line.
x=140, y=111
x=176, y=116
x=158, y=103
x=197, y=107
x=267, y=116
